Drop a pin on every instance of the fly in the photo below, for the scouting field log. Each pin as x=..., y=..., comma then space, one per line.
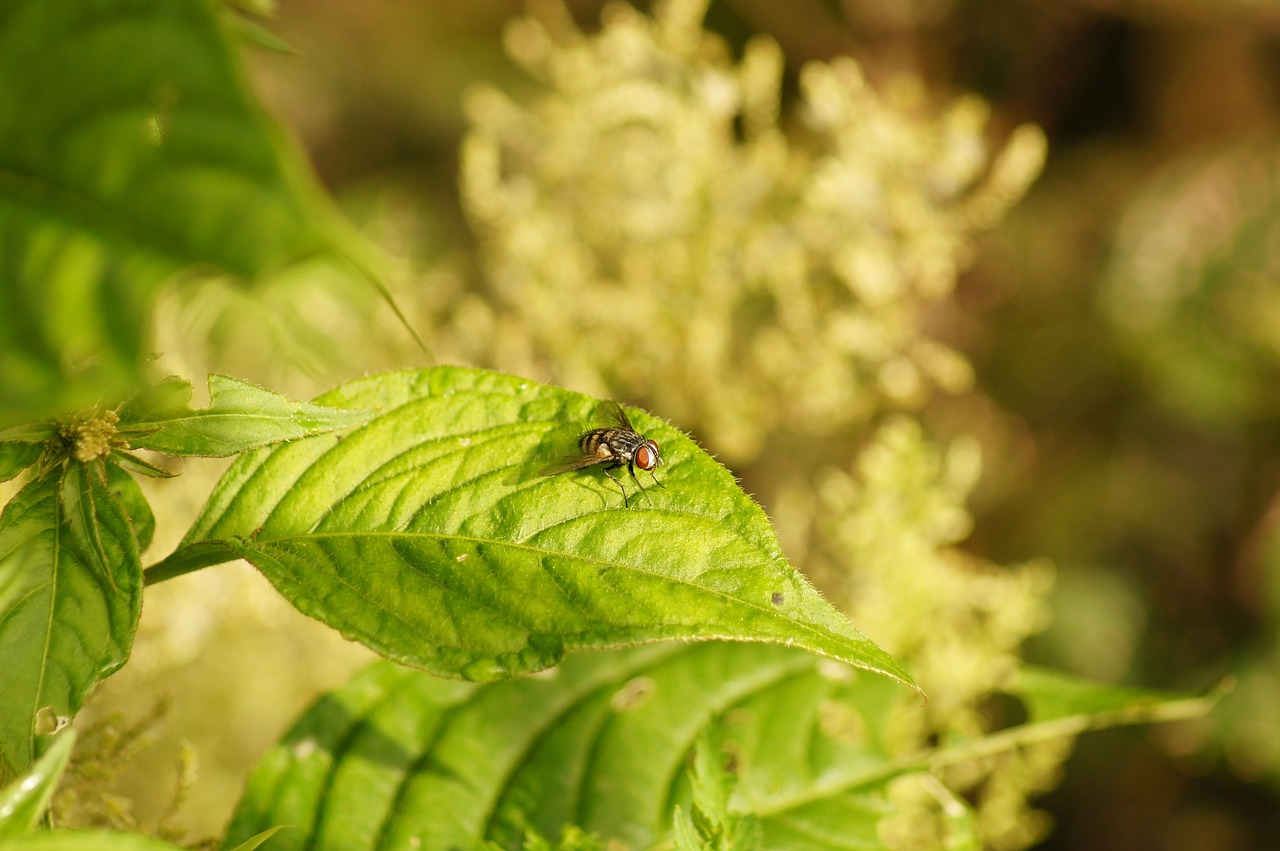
x=616, y=445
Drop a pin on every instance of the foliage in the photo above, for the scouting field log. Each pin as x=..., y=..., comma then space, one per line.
x=429, y=535
x=763, y=281
x=605, y=743
x=106, y=163
x=70, y=541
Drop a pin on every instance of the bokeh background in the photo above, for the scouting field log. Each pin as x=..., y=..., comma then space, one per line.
x=1122, y=323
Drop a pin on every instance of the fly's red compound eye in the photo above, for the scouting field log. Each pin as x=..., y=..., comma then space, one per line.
x=647, y=455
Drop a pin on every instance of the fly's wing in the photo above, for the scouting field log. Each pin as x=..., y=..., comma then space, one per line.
x=570, y=463
x=614, y=415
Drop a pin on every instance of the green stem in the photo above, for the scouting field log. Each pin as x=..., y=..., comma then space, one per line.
x=187, y=560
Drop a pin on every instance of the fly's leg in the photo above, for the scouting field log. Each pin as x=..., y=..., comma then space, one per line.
x=619, y=481
x=631, y=468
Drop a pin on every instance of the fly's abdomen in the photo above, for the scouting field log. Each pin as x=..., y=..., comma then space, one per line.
x=598, y=443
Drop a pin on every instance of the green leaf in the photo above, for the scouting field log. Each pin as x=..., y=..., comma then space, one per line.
x=430, y=536
x=131, y=147
x=398, y=758
x=249, y=31
x=257, y=839
x=684, y=833
x=16, y=457
x=89, y=840
x=1059, y=703
x=240, y=416
x=24, y=801
x=131, y=463
x=126, y=490
x=710, y=824
x=70, y=596
x=29, y=432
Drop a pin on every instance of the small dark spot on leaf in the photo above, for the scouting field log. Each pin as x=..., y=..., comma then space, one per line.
x=777, y=598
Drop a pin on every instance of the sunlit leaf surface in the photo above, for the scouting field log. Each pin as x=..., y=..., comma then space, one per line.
x=430, y=535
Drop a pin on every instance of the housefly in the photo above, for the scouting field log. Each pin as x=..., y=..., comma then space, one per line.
x=615, y=445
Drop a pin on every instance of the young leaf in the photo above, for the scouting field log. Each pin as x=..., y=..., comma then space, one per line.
x=257, y=839
x=130, y=463
x=1062, y=704
x=397, y=758
x=711, y=824
x=24, y=801
x=72, y=593
x=29, y=432
x=16, y=457
x=132, y=148
x=430, y=535
x=240, y=416
x=124, y=488
x=685, y=835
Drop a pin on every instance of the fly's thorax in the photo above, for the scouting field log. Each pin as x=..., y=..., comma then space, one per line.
x=625, y=443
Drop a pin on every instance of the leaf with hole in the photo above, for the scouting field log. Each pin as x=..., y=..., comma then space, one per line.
x=70, y=597
x=430, y=535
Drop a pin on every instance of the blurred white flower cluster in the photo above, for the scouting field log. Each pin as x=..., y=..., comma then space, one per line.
x=649, y=226
x=889, y=528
